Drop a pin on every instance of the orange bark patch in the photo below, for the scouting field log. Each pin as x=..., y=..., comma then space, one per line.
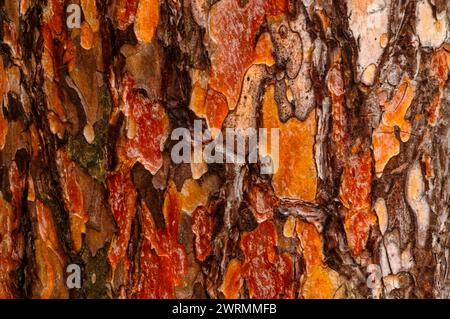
x=434, y=109
x=11, y=246
x=148, y=279
x=172, y=210
x=210, y=105
x=320, y=281
x=195, y=193
x=163, y=260
x=3, y=130
x=264, y=50
x=147, y=19
x=428, y=165
x=357, y=225
x=147, y=130
x=440, y=64
x=47, y=55
x=355, y=196
x=17, y=185
x=198, y=98
x=296, y=176
x=3, y=80
x=86, y=36
x=4, y=84
x=234, y=50
x=31, y=196
x=356, y=186
x=24, y=5
x=326, y=22
x=395, y=109
x=155, y=281
x=268, y=275
x=385, y=146
x=122, y=200
x=232, y=281
x=73, y=198
x=6, y=249
x=311, y=244
x=90, y=14
x=216, y=109
x=54, y=14
x=385, y=143
x=3, y=89
x=49, y=256
x=125, y=13
x=202, y=227
x=289, y=227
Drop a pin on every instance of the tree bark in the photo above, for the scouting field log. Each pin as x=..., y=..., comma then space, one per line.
x=357, y=206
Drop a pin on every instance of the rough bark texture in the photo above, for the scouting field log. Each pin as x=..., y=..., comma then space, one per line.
x=358, y=208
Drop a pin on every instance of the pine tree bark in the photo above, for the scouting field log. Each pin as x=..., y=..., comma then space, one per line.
x=358, y=91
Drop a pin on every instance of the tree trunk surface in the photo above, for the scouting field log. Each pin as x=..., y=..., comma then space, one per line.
x=93, y=95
